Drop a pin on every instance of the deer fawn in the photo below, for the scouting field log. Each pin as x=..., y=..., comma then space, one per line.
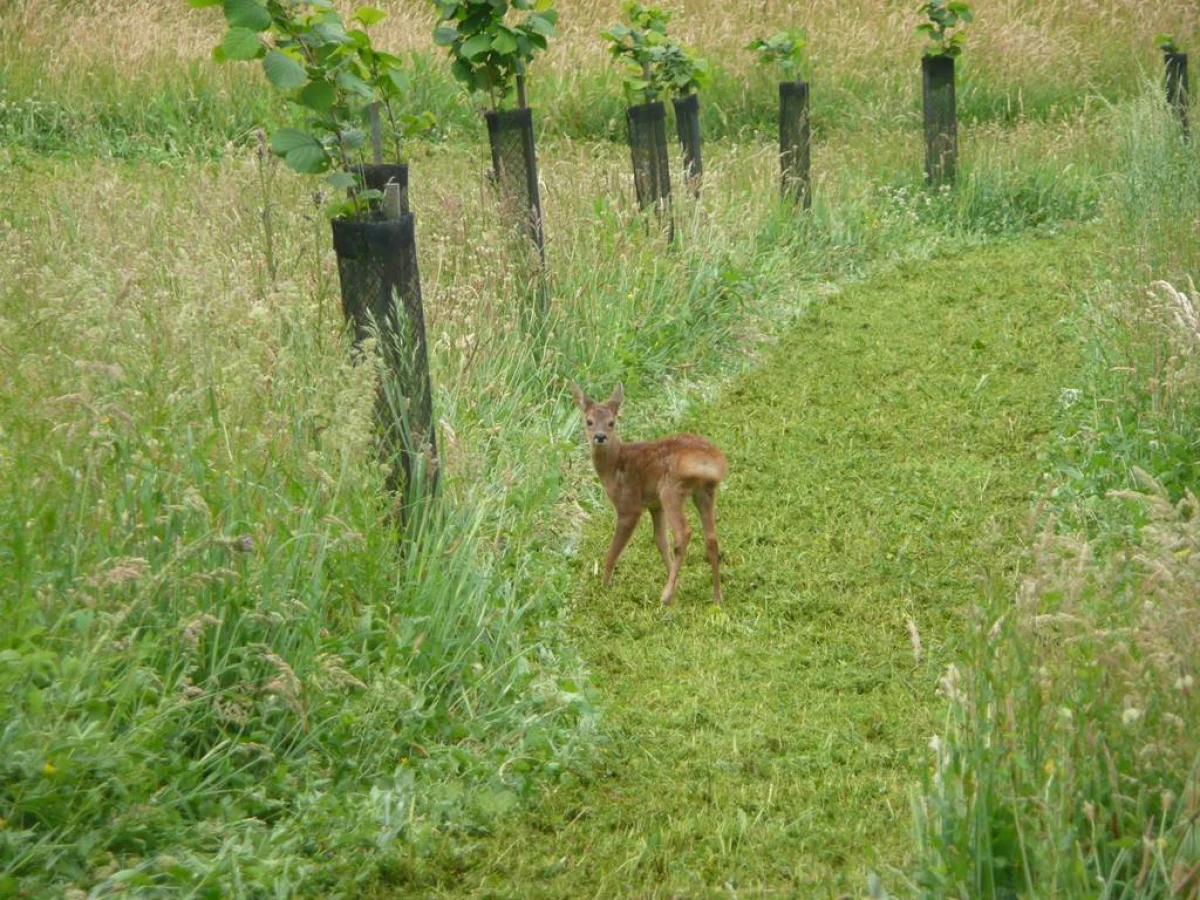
x=658, y=476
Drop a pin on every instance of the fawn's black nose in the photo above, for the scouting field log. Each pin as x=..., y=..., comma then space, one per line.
x=600, y=438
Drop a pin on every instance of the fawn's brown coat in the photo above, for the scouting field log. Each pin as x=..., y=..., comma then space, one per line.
x=658, y=476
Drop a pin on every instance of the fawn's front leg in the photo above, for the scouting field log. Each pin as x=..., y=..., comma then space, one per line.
x=626, y=522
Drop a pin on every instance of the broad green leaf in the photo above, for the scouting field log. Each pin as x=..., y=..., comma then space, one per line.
x=341, y=180
x=504, y=43
x=445, y=35
x=541, y=25
x=308, y=160
x=348, y=81
x=353, y=138
x=368, y=15
x=332, y=32
x=461, y=70
x=285, y=140
x=241, y=43
x=283, y=71
x=399, y=80
x=476, y=45
x=318, y=96
x=249, y=14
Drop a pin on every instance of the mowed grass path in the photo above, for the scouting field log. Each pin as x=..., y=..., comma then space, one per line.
x=883, y=459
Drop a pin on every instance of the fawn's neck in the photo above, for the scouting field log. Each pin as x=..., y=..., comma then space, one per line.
x=606, y=457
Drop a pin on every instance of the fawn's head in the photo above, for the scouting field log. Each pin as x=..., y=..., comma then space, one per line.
x=599, y=419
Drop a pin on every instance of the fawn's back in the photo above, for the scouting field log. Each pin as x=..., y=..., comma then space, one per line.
x=681, y=462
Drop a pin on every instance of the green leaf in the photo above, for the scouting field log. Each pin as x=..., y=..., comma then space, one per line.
x=285, y=140
x=541, y=25
x=504, y=43
x=249, y=14
x=341, y=180
x=476, y=45
x=241, y=43
x=445, y=35
x=348, y=81
x=283, y=71
x=319, y=96
x=461, y=70
x=203, y=4
x=368, y=15
x=308, y=160
x=353, y=138
x=332, y=33
x=399, y=80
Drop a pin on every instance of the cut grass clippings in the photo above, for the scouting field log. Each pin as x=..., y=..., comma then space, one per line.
x=882, y=465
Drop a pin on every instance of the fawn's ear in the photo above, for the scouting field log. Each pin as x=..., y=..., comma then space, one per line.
x=580, y=397
x=618, y=395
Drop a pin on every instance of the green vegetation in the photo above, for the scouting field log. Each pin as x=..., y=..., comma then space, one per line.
x=489, y=54
x=653, y=64
x=882, y=458
x=785, y=50
x=944, y=29
x=227, y=672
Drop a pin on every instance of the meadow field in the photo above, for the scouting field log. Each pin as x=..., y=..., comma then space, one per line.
x=956, y=656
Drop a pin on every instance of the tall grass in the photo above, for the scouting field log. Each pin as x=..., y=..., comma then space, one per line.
x=1068, y=765
x=135, y=79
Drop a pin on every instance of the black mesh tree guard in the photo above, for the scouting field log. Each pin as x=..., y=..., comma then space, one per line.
x=514, y=164
x=687, y=127
x=377, y=177
x=381, y=296
x=795, y=142
x=648, y=144
x=1177, y=86
x=941, y=119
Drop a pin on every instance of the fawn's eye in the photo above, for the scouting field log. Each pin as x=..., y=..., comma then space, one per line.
x=590, y=423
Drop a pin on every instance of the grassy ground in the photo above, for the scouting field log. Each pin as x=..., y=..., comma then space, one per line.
x=882, y=464
x=225, y=672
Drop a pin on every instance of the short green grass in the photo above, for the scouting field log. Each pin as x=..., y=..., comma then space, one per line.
x=882, y=463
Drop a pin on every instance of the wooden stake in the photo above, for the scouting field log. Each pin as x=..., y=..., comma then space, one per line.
x=376, y=134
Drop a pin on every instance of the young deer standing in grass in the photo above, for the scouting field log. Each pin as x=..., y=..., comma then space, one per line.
x=658, y=476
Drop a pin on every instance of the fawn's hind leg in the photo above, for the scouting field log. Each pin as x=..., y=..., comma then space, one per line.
x=660, y=536
x=706, y=502
x=672, y=504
